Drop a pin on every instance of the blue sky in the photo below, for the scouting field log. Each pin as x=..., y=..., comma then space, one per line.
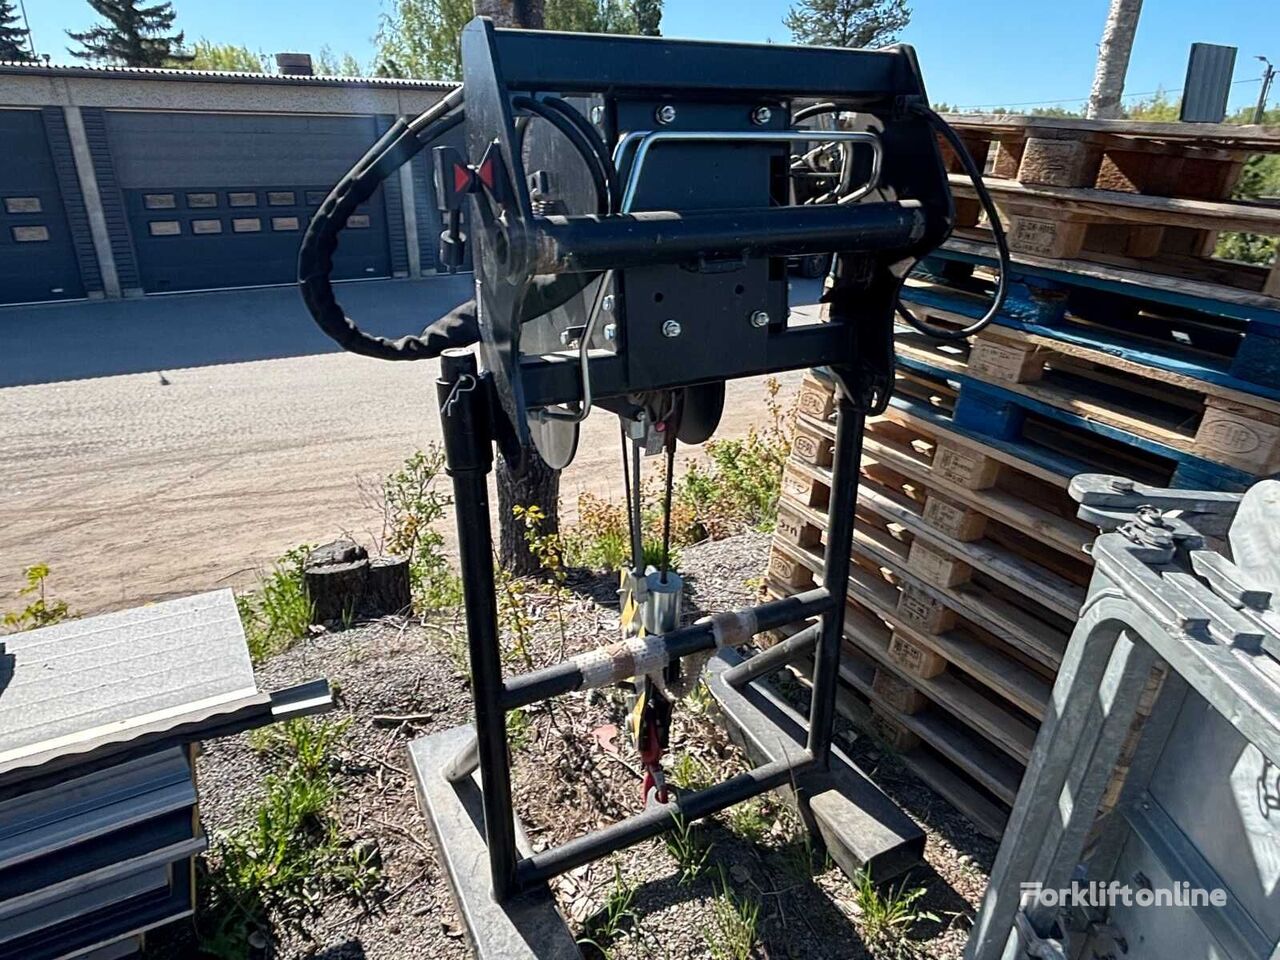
x=974, y=52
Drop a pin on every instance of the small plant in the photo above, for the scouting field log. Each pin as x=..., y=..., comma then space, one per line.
x=688, y=773
x=411, y=505
x=40, y=611
x=750, y=820
x=614, y=918
x=601, y=539
x=306, y=742
x=519, y=729
x=736, y=921
x=886, y=919
x=685, y=843
x=279, y=611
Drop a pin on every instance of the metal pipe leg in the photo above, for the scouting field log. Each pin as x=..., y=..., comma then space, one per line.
x=464, y=400
x=835, y=573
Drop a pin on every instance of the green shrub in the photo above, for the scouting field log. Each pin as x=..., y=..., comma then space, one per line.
x=39, y=611
x=278, y=613
x=411, y=506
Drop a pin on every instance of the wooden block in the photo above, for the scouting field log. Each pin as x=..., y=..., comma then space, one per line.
x=795, y=530
x=939, y=569
x=915, y=659
x=954, y=519
x=965, y=467
x=804, y=488
x=968, y=211
x=1271, y=288
x=918, y=608
x=891, y=733
x=1059, y=163
x=815, y=451
x=1007, y=159
x=898, y=694
x=1127, y=171
x=817, y=398
x=788, y=571
x=1041, y=237
x=1144, y=241
x=1239, y=436
x=1004, y=361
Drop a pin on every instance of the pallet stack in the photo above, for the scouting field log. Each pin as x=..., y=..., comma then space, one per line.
x=1147, y=359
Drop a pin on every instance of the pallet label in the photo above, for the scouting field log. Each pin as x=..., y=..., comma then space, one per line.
x=915, y=659
x=1059, y=163
x=973, y=471
x=812, y=450
x=785, y=570
x=805, y=489
x=1000, y=362
x=816, y=399
x=891, y=732
x=792, y=529
x=898, y=694
x=918, y=608
x=1239, y=440
x=940, y=569
x=953, y=519
x=1045, y=238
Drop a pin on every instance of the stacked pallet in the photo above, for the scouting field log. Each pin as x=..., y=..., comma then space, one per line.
x=970, y=565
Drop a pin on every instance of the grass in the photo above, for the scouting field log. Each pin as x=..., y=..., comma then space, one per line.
x=886, y=919
x=519, y=730
x=290, y=856
x=688, y=773
x=278, y=613
x=691, y=852
x=750, y=820
x=736, y=920
x=614, y=918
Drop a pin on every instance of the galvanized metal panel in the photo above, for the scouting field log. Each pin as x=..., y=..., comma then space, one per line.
x=105, y=893
x=37, y=253
x=1208, y=83
x=105, y=675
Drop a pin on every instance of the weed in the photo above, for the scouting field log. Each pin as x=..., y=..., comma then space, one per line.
x=279, y=611
x=613, y=919
x=290, y=856
x=688, y=773
x=601, y=539
x=519, y=729
x=750, y=820
x=736, y=920
x=886, y=919
x=40, y=611
x=685, y=843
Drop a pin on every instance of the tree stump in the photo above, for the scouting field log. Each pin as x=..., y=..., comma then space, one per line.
x=336, y=575
x=387, y=588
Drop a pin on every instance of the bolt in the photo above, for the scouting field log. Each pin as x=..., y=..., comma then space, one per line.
x=607, y=304
x=597, y=114
x=671, y=328
x=665, y=114
x=760, y=319
x=610, y=332
x=761, y=115
x=1121, y=485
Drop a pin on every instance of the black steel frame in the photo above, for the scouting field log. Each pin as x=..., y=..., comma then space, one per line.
x=467, y=406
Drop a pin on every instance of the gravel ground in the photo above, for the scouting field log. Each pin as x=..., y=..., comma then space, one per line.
x=572, y=775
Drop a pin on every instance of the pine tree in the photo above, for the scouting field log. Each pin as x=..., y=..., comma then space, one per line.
x=847, y=23
x=133, y=36
x=15, y=44
x=648, y=17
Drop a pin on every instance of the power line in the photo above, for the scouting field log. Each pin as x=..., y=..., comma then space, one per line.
x=1127, y=96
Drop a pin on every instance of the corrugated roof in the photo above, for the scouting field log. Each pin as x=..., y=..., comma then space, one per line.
x=214, y=76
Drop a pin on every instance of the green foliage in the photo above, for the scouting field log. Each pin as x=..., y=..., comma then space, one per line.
x=39, y=611
x=228, y=57
x=847, y=23
x=740, y=488
x=519, y=729
x=419, y=38
x=886, y=919
x=750, y=819
x=132, y=36
x=589, y=16
x=689, y=848
x=601, y=539
x=648, y=17
x=411, y=505
x=329, y=64
x=15, y=41
x=291, y=856
x=279, y=611
x=688, y=773
x=736, y=921
x=613, y=919
x=1259, y=179
x=1159, y=108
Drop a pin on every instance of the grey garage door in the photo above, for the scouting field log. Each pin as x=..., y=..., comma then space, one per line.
x=222, y=200
x=37, y=257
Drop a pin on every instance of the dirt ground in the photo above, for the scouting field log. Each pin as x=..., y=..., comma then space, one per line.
x=571, y=776
x=141, y=487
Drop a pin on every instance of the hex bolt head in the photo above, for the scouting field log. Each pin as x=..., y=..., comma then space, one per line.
x=761, y=115
x=671, y=328
x=760, y=319
x=610, y=332
x=607, y=304
x=665, y=114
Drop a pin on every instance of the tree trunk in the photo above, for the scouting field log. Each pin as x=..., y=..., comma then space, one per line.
x=1113, y=59
x=539, y=485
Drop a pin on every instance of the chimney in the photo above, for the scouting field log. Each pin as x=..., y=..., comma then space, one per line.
x=295, y=64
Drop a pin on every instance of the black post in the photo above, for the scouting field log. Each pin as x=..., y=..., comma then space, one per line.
x=468, y=445
x=835, y=573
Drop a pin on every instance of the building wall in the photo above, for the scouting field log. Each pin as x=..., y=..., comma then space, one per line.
x=154, y=165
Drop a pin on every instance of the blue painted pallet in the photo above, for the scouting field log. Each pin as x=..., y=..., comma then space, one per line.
x=1023, y=311
x=995, y=414
x=1039, y=296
